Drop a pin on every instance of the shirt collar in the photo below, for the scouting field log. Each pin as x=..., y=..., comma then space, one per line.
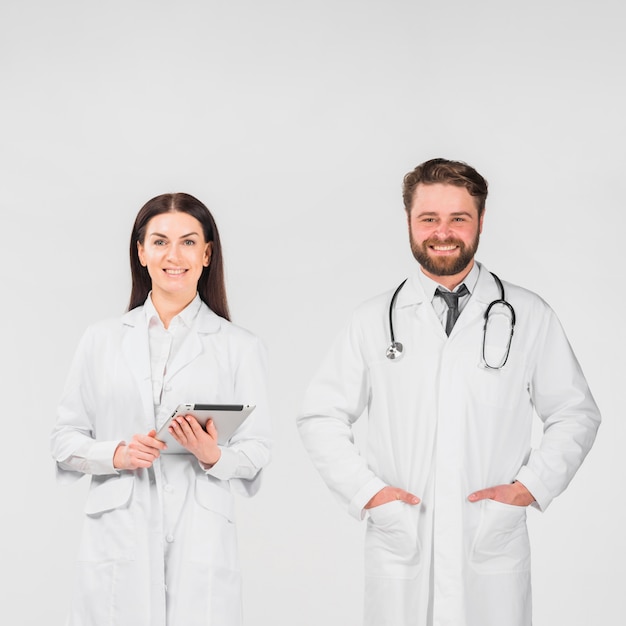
x=430, y=286
x=187, y=316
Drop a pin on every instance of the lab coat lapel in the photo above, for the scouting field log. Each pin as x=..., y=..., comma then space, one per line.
x=136, y=350
x=484, y=292
x=412, y=294
x=192, y=347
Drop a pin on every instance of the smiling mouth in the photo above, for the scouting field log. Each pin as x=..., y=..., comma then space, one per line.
x=440, y=248
x=174, y=272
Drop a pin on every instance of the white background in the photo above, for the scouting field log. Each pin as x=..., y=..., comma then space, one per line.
x=295, y=122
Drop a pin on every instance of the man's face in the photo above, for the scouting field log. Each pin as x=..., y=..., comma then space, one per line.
x=444, y=229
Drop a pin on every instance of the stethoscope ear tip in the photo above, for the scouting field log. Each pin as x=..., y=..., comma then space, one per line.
x=394, y=351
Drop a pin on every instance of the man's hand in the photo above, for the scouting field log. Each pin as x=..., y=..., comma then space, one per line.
x=515, y=494
x=389, y=494
x=141, y=452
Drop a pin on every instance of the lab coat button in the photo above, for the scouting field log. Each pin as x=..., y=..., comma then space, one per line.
x=168, y=488
x=169, y=538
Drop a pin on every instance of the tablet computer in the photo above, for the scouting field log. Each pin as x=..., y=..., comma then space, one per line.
x=226, y=417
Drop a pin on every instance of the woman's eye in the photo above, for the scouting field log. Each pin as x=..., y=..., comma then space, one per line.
x=159, y=242
x=189, y=242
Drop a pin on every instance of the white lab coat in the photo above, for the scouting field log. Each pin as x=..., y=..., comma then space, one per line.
x=159, y=546
x=440, y=425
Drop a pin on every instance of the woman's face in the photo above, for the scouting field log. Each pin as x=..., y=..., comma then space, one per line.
x=175, y=253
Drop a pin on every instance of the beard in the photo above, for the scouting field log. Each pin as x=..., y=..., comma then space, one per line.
x=444, y=265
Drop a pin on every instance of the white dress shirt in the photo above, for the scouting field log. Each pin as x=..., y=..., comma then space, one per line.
x=441, y=308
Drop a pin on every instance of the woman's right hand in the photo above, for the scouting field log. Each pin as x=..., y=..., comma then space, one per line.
x=140, y=452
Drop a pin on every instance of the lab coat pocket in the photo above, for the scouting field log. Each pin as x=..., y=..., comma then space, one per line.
x=392, y=547
x=212, y=532
x=501, y=544
x=215, y=498
x=109, y=526
x=108, y=492
x=496, y=388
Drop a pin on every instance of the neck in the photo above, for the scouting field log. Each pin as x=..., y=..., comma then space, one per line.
x=451, y=282
x=168, y=306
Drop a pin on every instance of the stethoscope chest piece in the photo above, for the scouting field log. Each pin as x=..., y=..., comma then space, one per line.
x=395, y=350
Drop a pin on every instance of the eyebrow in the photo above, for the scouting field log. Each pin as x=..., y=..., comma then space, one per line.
x=435, y=213
x=166, y=237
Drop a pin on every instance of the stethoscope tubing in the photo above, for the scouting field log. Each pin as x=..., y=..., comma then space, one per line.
x=395, y=349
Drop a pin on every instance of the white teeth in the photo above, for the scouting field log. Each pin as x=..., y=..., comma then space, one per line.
x=443, y=248
x=175, y=272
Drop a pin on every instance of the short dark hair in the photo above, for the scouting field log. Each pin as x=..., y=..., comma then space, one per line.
x=211, y=286
x=447, y=172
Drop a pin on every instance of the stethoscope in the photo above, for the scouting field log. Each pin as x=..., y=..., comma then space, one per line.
x=396, y=349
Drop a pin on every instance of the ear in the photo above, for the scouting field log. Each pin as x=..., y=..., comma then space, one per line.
x=480, y=223
x=141, y=254
x=207, y=254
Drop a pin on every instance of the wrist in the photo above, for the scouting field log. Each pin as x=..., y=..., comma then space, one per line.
x=118, y=456
x=524, y=497
x=211, y=459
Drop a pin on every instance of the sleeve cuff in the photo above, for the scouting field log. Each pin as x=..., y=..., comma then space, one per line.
x=541, y=494
x=363, y=496
x=101, y=457
x=226, y=466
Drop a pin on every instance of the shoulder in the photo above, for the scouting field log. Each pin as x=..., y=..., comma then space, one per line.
x=374, y=306
x=211, y=323
x=368, y=321
x=532, y=313
x=488, y=290
x=105, y=328
x=525, y=297
x=238, y=333
x=101, y=336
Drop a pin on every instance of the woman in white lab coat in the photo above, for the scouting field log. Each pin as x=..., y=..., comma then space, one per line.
x=158, y=546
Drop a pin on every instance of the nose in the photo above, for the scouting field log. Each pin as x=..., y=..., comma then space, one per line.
x=173, y=252
x=443, y=230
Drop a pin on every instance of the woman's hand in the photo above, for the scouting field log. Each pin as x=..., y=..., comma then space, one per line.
x=201, y=443
x=140, y=452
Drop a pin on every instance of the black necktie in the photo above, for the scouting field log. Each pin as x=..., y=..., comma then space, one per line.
x=452, y=300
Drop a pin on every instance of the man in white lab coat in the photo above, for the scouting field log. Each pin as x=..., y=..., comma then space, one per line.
x=448, y=471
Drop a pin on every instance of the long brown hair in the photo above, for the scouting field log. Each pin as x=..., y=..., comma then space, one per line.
x=211, y=286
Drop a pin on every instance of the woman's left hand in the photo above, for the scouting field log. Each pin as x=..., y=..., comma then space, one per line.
x=201, y=443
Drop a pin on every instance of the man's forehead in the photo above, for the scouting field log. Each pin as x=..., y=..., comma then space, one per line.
x=441, y=195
